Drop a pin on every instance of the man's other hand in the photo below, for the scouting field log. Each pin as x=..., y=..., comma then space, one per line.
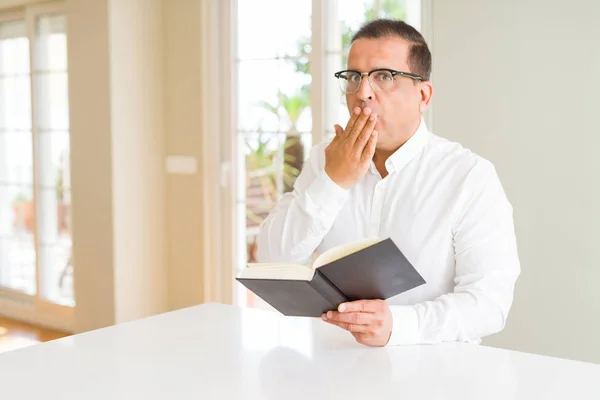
x=369, y=321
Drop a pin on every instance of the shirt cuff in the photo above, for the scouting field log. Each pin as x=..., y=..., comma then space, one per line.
x=405, y=326
x=325, y=195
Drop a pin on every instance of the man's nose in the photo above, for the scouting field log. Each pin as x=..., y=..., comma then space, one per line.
x=365, y=91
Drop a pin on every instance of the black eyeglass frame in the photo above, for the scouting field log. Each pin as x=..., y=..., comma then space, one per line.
x=394, y=73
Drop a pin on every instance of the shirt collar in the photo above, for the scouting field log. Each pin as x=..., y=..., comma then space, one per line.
x=408, y=150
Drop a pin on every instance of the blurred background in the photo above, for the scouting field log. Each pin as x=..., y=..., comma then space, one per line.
x=142, y=142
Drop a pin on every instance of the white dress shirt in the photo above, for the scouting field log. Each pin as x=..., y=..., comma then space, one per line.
x=446, y=210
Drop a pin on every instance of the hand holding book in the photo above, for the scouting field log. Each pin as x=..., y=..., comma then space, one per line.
x=369, y=321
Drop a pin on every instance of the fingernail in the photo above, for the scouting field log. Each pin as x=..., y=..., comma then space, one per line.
x=324, y=317
x=372, y=117
x=357, y=111
x=342, y=307
x=329, y=314
x=367, y=110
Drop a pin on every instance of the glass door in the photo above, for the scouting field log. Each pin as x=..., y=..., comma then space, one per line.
x=35, y=203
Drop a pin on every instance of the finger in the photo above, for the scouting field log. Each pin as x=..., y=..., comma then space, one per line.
x=356, y=113
x=369, y=339
x=364, y=136
x=369, y=150
x=365, y=306
x=358, y=318
x=354, y=328
x=362, y=337
x=359, y=125
x=339, y=131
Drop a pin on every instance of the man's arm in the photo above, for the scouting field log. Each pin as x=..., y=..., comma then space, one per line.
x=302, y=218
x=487, y=267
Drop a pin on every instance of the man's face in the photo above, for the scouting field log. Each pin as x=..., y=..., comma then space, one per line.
x=398, y=110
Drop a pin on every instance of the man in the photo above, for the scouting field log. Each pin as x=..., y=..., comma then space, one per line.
x=386, y=175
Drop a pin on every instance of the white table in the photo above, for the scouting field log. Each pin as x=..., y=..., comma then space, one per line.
x=221, y=352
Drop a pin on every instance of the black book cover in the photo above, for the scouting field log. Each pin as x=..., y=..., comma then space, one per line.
x=379, y=271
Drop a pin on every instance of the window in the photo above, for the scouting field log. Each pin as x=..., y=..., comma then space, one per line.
x=35, y=201
x=287, y=97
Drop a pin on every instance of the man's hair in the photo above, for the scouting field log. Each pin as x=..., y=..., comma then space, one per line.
x=419, y=56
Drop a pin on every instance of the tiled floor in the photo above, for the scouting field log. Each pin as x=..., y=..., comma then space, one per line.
x=14, y=335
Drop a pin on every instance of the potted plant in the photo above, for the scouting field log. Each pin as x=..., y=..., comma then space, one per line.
x=22, y=206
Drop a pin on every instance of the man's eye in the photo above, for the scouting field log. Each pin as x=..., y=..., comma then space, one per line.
x=384, y=76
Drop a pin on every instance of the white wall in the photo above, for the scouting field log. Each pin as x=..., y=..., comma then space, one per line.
x=518, y=82
x=117, y=154
x=183, y=136
x=91, y=163
x=138, y=149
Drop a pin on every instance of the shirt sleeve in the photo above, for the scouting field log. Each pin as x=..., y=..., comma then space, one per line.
x=297, y=225
x=487, y=267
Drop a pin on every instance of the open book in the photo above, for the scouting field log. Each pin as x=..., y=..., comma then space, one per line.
x=364, y=270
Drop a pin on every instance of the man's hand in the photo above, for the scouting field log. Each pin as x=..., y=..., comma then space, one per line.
x=348, y=156
x=369, y=321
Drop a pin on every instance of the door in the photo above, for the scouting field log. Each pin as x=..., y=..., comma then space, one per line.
x=36, y=268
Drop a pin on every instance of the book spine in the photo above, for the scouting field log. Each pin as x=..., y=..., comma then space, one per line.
x=327, y=289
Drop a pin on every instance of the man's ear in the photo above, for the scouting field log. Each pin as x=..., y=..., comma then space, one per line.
x=426, y=93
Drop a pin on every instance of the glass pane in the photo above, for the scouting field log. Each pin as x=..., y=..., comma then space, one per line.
x=14, y=48
x=15, y=94
x=273, y=96
x=54, y=221
x=57, y=274
x=17, y=218
x=15, y=103
x=258, y=83
x=17, y=249
x=17, y=264
x=410, y=13
x=263, y=159
x=354, y=13
x=266, y=37
x=16, y=160
x=273, y=162
x=55, y=238
x=51, y=45
x=53, y=167
x=54, y=160
x=52, y=101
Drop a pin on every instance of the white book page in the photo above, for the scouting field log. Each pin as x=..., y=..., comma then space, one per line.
x=277, y=271
x=343, y=250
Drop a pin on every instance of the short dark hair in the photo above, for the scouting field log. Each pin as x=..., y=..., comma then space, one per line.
x=419, y=56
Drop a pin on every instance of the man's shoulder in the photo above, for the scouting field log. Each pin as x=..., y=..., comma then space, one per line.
x=457, y=159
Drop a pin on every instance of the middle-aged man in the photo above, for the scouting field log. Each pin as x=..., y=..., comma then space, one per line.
x=386, y=175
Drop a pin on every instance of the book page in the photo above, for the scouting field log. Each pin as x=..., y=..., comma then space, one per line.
x=343, y=250
x=277, y=271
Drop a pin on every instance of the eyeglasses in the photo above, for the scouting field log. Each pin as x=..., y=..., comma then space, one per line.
x=381, y=80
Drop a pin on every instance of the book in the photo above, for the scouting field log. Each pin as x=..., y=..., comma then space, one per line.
x=368, y=269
